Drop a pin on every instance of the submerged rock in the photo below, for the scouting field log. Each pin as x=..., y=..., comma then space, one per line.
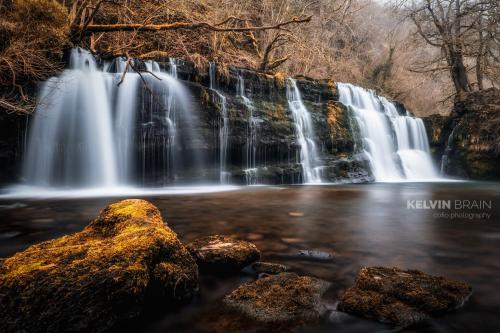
x=286, y=297
x=316, y=255
x=268, y=267
x=223, y=253
x=391, y=295
x=92, y=280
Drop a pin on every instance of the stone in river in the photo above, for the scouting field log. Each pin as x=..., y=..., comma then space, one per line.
x=402, y=298
x=283, y=298
x=103, y=276
x=268, y=267
x=221, y=253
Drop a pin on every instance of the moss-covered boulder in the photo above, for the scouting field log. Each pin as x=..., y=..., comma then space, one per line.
x=106, y=274
x=223, y=253
x=286, y=298
x=403, y=298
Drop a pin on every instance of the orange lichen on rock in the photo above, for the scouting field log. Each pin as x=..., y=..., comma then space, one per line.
x=286, y=297
x=124, y=259
x=279, y=79
x=332, y=86
x=336, y=119
x=392, y=295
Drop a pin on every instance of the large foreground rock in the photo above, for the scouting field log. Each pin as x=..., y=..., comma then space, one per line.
x=286, y=297
x=125, y=259
x=223, y=253
x=391, y=295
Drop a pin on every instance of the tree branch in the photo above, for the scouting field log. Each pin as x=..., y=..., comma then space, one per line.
x=91, y=28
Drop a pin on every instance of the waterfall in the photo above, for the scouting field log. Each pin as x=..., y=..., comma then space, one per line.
x=71, y=136
x=305, y=134
x=166, y=91
x=223, y=126
x=447, y=151
x=251, y=135
x=173, y=67
x=396, y=145
x=86, y=127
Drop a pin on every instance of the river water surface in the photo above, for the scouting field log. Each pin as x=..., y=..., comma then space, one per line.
x=361, y=225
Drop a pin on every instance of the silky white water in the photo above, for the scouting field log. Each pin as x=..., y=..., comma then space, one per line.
x=85, y=129
x=396, y=145
x=71, y=137
x=305, y=134
x=251, y=135
x=223, y=126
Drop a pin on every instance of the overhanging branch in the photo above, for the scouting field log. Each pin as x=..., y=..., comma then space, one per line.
x=92, y=28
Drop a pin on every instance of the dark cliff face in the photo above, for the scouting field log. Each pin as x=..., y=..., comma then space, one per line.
x=277, y=153
x=12, y=141
x=434, y=127
x=472, y=133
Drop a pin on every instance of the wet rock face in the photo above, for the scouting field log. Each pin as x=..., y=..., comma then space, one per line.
x=124, y=260
x=474, y=127
x=286, y=297
x=402, y=298
x=275, y=153
x=223, y=253
x=434, y=126
x=12, y=140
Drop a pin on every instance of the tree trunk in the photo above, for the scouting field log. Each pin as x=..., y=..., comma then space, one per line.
x=479, y=57
x=458, y=71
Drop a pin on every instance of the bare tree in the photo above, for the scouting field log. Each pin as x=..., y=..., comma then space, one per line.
x=462, y=30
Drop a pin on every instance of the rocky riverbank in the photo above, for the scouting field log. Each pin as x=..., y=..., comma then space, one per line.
x=128, y=261
x=469, y=139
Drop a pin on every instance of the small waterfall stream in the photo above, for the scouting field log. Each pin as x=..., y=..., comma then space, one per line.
x=225, y=176
x=251, y=135
x=126, y=101
x=305, y=134
x=447, y=150
x=396, y=145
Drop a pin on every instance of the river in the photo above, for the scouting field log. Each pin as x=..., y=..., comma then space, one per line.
x=361, y=225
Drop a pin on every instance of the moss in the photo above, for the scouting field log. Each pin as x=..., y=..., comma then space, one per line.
x=279, y=79
x=204, y=97
x=109, y=271
x=392, y=295
x=282, y=297
x=332, y=86
x=280, y=112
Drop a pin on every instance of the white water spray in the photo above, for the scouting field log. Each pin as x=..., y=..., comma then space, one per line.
x=251, y=135
x=223, y=127
x=305, y=134
x=71, y=137
x=84, y=129
x=396, y=146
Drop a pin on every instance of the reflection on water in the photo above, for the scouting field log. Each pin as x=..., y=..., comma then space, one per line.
x=360, y=224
